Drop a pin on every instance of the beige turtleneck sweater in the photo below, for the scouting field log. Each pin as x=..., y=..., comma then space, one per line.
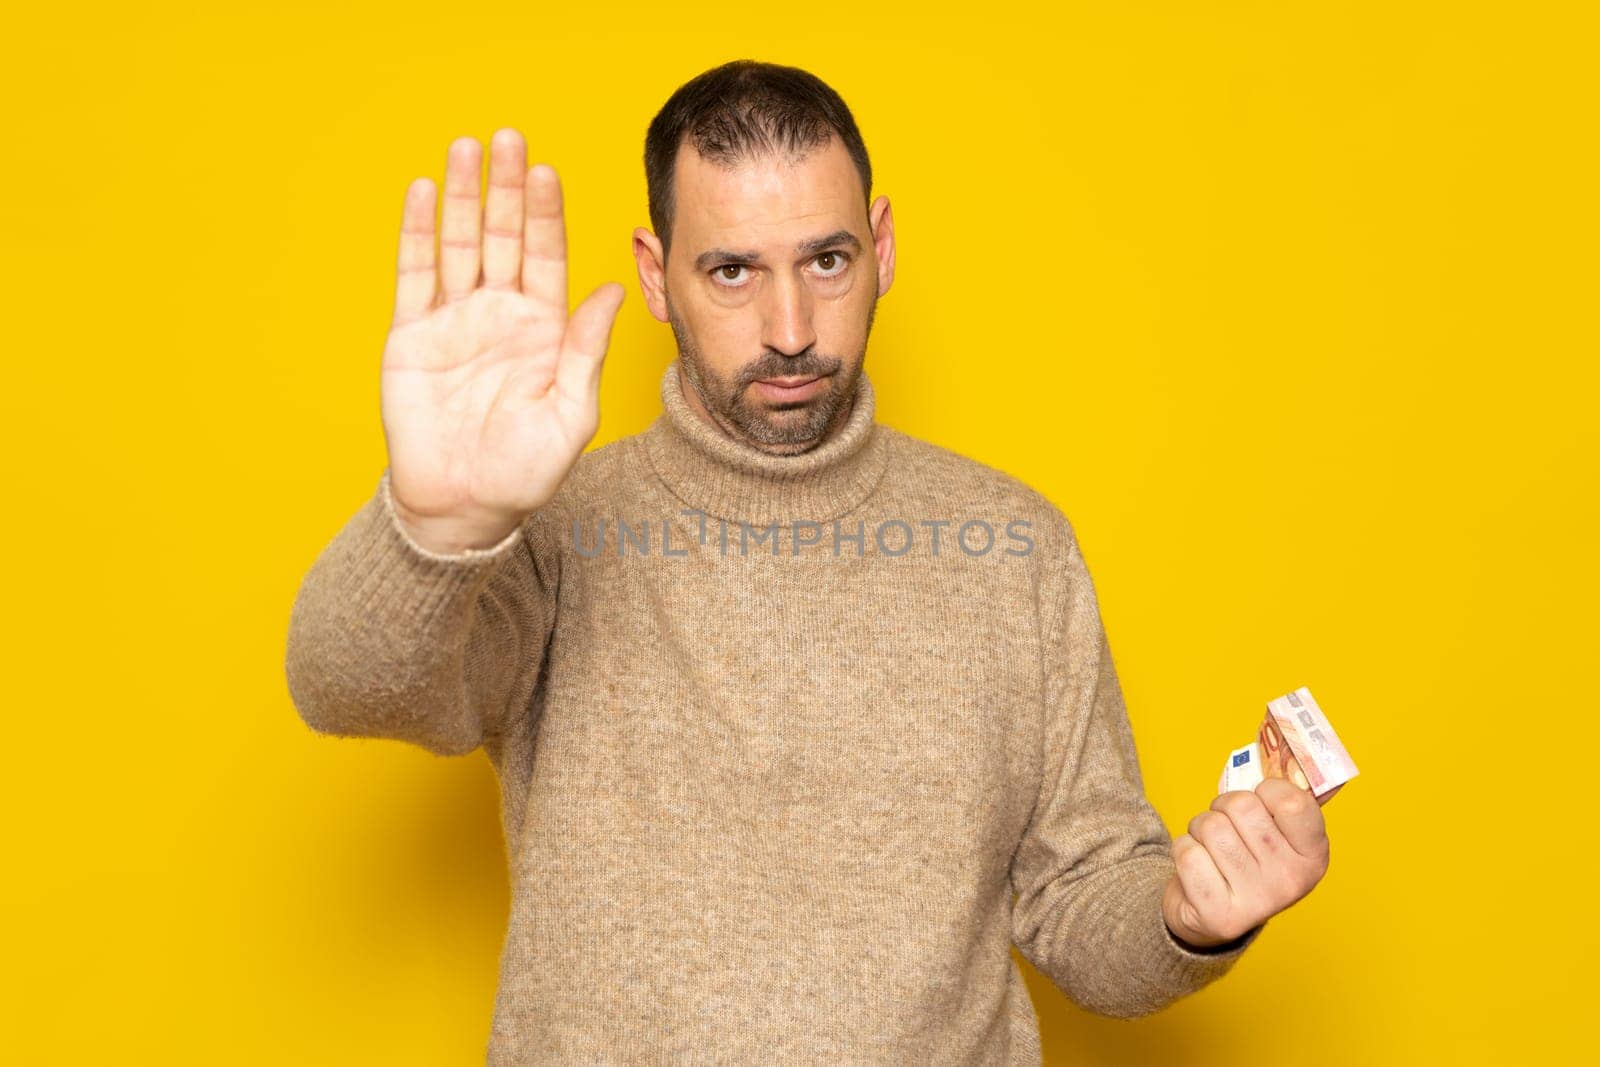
x=772, y=803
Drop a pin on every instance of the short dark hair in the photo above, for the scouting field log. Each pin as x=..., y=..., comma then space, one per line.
x=742, y=109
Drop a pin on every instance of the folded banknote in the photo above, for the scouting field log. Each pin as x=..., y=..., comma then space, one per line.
x=1296, y=742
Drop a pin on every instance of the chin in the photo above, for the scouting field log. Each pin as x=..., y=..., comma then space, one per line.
x=792, y=436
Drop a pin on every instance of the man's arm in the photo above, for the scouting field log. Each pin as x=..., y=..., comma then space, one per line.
x=389, y=639
x=1095, y=858
x=489, y=389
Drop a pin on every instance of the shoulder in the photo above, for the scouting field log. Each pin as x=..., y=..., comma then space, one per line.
x=1054, y=577
x=953, y=483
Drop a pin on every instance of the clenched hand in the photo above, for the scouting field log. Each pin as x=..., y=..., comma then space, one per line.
x=1248, y=857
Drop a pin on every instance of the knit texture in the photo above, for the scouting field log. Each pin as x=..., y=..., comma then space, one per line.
x=786, y=767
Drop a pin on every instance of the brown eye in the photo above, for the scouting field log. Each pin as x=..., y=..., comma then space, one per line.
x=832, y=263
x=725, y=268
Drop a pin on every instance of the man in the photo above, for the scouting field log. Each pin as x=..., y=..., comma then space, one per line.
x=793, y=741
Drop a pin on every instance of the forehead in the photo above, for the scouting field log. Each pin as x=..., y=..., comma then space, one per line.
x=765, y=198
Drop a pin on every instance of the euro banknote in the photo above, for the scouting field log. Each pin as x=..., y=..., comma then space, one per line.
x=1295, y=741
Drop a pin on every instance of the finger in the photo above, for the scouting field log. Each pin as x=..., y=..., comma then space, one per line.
x=460, y=237
x=502, y=212
x=415, y=275
x=1254, y=824
x=1202, y=882
x=1297, y=814
x=583, y=350
x=544, y=239
x=1215, y=831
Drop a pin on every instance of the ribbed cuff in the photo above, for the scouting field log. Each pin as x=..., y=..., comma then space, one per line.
x=390, y=572
x=466, y=555
x=1184, y=967
x=1176, y=968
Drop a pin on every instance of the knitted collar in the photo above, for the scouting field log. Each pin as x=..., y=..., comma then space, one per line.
x=736, y=482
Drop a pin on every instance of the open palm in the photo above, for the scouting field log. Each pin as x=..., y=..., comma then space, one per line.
x=489, y=390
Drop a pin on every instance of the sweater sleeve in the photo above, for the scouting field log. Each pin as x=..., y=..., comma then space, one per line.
x=1095, y=858
x=388, y=639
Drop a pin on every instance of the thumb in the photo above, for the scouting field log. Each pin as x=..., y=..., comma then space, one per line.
x=583, y=349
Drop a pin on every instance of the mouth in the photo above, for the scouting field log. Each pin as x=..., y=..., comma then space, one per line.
x=791, y=388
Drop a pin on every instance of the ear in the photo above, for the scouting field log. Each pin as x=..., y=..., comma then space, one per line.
x=882, y=221
x=652, y=271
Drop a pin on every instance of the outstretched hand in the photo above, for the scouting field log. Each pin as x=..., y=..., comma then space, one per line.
x=489, y=390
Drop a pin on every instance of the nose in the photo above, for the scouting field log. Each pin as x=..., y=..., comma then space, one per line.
x=786, y=325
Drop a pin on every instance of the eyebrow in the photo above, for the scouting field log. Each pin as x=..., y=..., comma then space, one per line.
x=716, y=256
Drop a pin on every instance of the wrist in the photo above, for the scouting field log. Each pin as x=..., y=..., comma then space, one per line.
x=1209, y=946
x=1196, y=944
x=1179, y=931
x=449, y=535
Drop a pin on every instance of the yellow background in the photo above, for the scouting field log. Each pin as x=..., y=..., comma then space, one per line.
x=1289, y=307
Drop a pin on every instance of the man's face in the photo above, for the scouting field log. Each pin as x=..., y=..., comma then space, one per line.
x=774, y=273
